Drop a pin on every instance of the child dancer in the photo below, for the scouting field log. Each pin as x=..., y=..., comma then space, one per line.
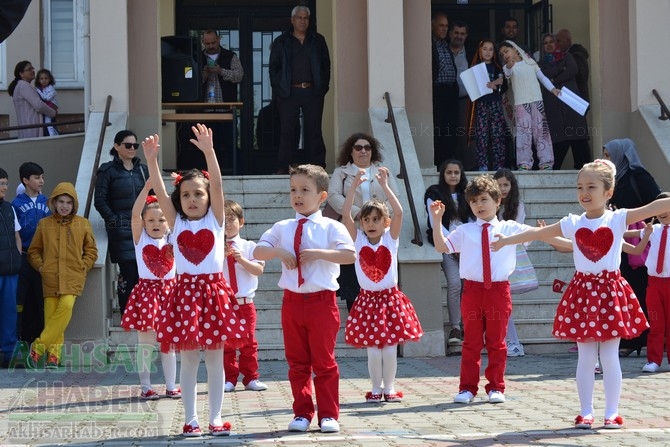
x=531, y=121
x=382, y=316
x=523, y=278
x=598, y=307
x=242, y=272
x=450, y=191
x=201, y=314
x=310, y=248
x=45, y=88
x=487, y=116
x=155, y=262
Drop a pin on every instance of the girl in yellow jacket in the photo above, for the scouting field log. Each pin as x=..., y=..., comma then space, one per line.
x=63, y=250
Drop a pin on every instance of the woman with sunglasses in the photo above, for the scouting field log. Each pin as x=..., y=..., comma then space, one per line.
x=359, y=151
x=29, y=106
x=117, y=185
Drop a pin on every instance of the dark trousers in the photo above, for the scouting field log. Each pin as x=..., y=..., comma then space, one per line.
x=581, y=153
x=289, y=114
x=29, y=294
x=445, y=121
x=128, y=277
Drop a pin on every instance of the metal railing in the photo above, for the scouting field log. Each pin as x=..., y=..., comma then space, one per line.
x=32, y=126
x=101, y=140
x=665, y=113
x=418, y=239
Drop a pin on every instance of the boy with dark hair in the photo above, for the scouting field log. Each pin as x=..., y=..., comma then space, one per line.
x=311, y=248
x=10, y=264
x=30, y=207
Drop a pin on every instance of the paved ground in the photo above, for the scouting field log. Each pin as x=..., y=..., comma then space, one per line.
x=100, y=407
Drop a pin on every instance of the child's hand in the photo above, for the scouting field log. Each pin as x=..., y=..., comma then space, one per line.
x=383, y=176
x=510, y=63
x=437, y=210
x=287, y=258
x=203, y=138
x=309, y=255
x=151, y=147
x=556, y=91
x=499, y=243
x=541, y=223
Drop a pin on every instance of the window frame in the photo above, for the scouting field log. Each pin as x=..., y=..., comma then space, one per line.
x=78, y=17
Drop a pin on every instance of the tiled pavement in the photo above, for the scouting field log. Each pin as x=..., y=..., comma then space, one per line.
x=100, y=407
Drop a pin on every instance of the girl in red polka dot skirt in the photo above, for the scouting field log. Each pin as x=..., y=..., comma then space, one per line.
x=599, y=306
x=202, y=314
x=155, y=263
x=382, y=316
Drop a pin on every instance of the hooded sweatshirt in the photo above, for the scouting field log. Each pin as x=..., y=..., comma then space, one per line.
x=63, y=249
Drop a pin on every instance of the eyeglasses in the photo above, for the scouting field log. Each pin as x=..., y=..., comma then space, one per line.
x=131, y=145
x=360, y=147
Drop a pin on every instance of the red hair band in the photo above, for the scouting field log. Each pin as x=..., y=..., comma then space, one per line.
x=151, y=199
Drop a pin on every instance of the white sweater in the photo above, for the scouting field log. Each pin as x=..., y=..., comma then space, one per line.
x=524, y=82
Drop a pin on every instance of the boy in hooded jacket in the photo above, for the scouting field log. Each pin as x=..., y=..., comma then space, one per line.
x=63, y=250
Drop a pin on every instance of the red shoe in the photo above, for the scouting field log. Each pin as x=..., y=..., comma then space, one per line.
x=149, y=395
x=584, y=422
x=33, y=359
x=52, y=361
x=220, y=430
x=373, y=398
x=393, y=397
x=190, y=431
x=614, y=423
x=174, y=394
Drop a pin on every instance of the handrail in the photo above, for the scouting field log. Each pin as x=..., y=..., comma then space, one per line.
x=665, y=113
x=418, y=239
x=32, y=126
x=101, y=139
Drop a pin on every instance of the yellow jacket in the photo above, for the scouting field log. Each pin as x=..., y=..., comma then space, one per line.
x=63, y=249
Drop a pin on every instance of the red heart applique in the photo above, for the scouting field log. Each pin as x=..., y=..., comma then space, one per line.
x=594, y=244
x=158, y=261
x=195, y=247
x=375, y=264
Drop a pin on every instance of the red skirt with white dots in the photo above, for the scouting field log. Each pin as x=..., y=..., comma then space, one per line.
x=382, y=318
x=202, y=315
x=146, y=300
x=598, y=308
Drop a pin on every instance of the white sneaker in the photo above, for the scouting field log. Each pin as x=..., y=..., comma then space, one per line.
x=650, y=367
x=229, y=387
x=496, y=397
x=329, y=425
x=299, y=424
x=515, y=350
x=464, y=397
x=256, y=385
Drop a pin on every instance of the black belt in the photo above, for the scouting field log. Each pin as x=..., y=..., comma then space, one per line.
x=302, y=85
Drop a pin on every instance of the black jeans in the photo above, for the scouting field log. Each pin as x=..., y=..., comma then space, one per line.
x=128, y=278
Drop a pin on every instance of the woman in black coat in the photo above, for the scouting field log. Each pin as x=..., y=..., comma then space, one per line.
x=118, y=184
x=634, y=187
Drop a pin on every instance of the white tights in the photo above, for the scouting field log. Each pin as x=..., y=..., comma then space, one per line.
x=188, y=377
x=609, y=360
x=382, y=366
x=146, y=343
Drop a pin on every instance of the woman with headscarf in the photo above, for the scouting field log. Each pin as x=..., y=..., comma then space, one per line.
x=634, y=187
x=567, y=127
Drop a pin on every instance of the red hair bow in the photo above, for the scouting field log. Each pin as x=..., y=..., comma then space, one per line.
x=206, y=174
x=151, y=199
x=177, y=178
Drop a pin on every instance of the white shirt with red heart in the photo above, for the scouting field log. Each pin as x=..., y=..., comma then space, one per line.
x=195, y=250
x=155, y=258
x=376, y=265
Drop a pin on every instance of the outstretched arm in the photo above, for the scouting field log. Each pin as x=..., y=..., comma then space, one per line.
x=347, y=219
x=658, y=206
x=436, y=213
x=151, y=147
x=138, y=206
x=545, y=234
x=396, y=222
x=203, y=141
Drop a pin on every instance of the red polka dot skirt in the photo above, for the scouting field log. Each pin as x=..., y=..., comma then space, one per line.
x=382, y=318
x=146, y=300
x=202, y=316
x=598, y=308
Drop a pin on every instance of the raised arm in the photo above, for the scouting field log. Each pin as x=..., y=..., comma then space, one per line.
x=396, y=222
x=347, y=218
x=138, y=206
x=659, y=206
x=203, y=141
x=436, y=212
x=151, y=147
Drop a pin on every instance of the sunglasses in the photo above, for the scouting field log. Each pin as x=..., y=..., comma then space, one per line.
x=131, y=145
x=360, y=147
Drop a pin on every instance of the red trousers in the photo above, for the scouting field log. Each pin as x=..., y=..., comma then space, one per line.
x=485, y=314
x=310, y=323
x=658, y=309
x=248, y=359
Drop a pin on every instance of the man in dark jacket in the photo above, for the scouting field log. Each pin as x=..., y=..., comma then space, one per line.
x=564, y=42
x=300, y=78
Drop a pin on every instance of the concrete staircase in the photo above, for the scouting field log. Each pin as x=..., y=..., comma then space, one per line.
x=548, y=196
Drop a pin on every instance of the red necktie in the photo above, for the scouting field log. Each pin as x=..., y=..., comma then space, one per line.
x=230, y=260
x=296, y=247
x=661, y=250
x=486, y=256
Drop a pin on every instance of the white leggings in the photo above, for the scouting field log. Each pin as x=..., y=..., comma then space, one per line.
x=188, y=377
x=146, y=343
x=382, y=366
x=609, y=359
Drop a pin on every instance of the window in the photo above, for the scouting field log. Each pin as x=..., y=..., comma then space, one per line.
x=64, y=41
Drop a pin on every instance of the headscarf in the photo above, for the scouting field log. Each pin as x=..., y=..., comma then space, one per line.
x=526, y=58
x=624, y=156
x=556, y=55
